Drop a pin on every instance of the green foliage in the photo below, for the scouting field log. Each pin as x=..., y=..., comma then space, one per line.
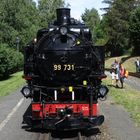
x=10, y=61
x=47, y=10
x=117, y=25
x=18, y=18
x=135, y=31
x=101, y=33
x=22, y=19
x=92, y=20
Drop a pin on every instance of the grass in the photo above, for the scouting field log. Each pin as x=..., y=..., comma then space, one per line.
x=129, y=98
x=128, y=62
x=109, y=61
x=11, y=84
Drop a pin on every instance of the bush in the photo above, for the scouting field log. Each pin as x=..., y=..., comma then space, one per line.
x=10, y=61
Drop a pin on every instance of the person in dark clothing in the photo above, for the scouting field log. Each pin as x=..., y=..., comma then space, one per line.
x=137, y=63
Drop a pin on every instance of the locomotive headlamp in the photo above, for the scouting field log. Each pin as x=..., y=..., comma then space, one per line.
x=26, y=91
x=63, y=30
x=103, y=90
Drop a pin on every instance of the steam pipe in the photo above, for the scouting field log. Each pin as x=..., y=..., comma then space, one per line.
x=91, y=103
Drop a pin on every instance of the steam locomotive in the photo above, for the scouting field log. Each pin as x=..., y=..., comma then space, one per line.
x=64, y=71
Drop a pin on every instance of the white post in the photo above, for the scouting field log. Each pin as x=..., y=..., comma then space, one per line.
x=55, y=95
x=73, y=96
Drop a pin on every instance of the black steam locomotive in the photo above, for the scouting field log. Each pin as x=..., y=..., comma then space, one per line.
x=64, y=70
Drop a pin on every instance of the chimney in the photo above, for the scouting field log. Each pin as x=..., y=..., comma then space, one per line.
x=63, y=16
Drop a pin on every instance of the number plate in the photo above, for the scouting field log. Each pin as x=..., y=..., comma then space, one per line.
x=65, y=67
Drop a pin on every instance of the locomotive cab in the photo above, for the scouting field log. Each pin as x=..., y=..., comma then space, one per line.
x=63, y=70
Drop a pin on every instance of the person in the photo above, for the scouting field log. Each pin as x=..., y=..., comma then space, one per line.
x=137, y=63
x=121, y=74
x=115, y=72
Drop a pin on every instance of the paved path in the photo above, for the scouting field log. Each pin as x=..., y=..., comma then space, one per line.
x=12, y=108
x=118, y=123
x=11, y=129
x=131, y=81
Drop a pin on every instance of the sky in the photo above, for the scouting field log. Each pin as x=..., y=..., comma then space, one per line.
x=78, y=6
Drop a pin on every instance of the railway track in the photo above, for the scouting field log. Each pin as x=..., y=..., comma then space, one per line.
x=74, y=136
x=93, y=134
x=134, y=74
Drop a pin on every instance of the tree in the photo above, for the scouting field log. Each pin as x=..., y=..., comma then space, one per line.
x=135, y=31
x=92, y=20
x=101, y=33
x=47, y=10
x=18, y=18
x=117, y=25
